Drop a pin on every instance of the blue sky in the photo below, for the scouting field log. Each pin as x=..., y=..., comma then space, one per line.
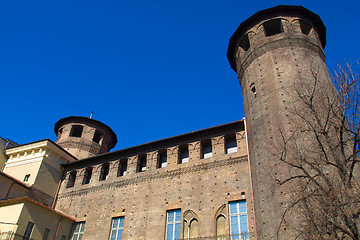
x=148, y=69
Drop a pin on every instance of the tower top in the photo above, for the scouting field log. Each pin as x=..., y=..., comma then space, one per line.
x=281, y=10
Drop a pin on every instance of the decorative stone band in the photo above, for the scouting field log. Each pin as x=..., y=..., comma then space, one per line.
x=82, y=146
x=280, y=43
x=155, y=176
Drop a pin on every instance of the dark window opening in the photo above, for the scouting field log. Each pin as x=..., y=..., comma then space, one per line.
x=273, y=27
x=230, y=144
x=71, y=180
x=76, y=131
x=26, y=178
x=206, y=149
x=97, y=136
x=162, y=159
x=183, y=154
x=87, y=175
x=305, y=27
x=28, y=230
x=253, y=89
x=60, y=132
x=244, y=43
x=104, y=172
x=141, y=164
x=122, y=168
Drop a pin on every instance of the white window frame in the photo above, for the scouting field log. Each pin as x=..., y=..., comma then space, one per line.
x=77, y=235
x=240, y=214
x=172, y=224
x=117, y=229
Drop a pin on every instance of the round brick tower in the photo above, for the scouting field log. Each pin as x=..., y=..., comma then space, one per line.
x=84, y=137
x=278, y=56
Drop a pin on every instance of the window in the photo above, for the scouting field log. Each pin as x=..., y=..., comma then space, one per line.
x=60, y=132
x=230, y=144
x=173, y=225
x=97, y=136
x=272, y=27
x=206, y=149
x=141, y=163
x=253, y=89
x=28, y=230
x=191, y=230
x=104, y=172
x=46, y=234
x=122, y=168
x=244, y=43
x=76, y=131
x=117, y=227
x=26, y=178
x=63, y=237
x=78, y=231
x=87, y=175
x=162, y=159
x=71, y=180
x=184, y=154
x=238, y=220
x=305, y=27
x=221, y=227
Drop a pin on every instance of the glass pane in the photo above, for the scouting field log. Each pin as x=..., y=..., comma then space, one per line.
x=77, y=227
x=242, y=207
x=80, y=237
x=169, y=235
x=82, y=225
x=121, y=224
x=113, y=235
x=178, y=215
x=115, y=222
x=234, y=219
x=119, y=236
x=171, y=216
x=233, y=208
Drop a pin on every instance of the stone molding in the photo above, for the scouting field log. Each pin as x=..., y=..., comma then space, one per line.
x=82, y=146
x=155, y=176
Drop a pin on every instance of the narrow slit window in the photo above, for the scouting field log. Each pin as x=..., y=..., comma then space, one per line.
x=76, y=131
x=230, y=144
x=46, y=234
x=162, y=159
x=253, y=89
x=26, y=178
x=273, y=27
x=28, y=230
x=206, y=149
x=104, y=174
x=142, y=163
x=122, y=168
x=184, y=154
x=87, y=175
x=97, y=136
x=71, y=180
x=305, y=27
x=244, y=43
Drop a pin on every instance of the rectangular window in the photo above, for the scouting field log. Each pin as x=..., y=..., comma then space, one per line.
x=87, y=176
x=46, y=234
x=76, y=131
x=162, y=159
x=142, y=163
x=122, y=168
x=230, y=144
x=97, y=136
x=71, y=180
x=273, y=27
x=26, y=178
x=173, y=225
x=104, y=172
x=184, y=154
x=78, y=231
x=206, y=149
x=238, y=220
x=28, y=230
x=117, y=227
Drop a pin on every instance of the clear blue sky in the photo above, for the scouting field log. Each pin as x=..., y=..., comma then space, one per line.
x=148, y=69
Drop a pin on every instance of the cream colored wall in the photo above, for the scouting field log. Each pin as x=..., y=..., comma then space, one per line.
x=48, y=178
x=27, y=167
x=43, y=218
x=10, y=190
x=9, y=216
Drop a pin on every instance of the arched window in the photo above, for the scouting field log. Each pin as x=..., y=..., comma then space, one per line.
x=220, y=227
x=191, y=225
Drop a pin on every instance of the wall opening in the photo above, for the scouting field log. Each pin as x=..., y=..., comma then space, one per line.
x=206, y=149
x=71, y=180
x=183, y=154
x=162, y=159
x=305, y=27
x=97, y=136
x=76, y=131
x=273, y=27
x=104, y=174
x=87, y=175
x=122, y=168
x=141, y=166
x=230, y=144
x=244, y=43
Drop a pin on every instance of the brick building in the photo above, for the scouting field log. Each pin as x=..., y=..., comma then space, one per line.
x=214, y=183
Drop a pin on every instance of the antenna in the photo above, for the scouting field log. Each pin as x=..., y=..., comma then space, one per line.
x=92, y=112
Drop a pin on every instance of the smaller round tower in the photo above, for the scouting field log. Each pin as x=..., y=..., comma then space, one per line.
x=84, y=137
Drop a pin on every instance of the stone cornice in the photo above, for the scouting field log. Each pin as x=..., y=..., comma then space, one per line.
x=155, y=176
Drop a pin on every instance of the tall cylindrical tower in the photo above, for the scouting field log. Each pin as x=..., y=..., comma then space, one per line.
x=84, y=137
x=279, y=58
